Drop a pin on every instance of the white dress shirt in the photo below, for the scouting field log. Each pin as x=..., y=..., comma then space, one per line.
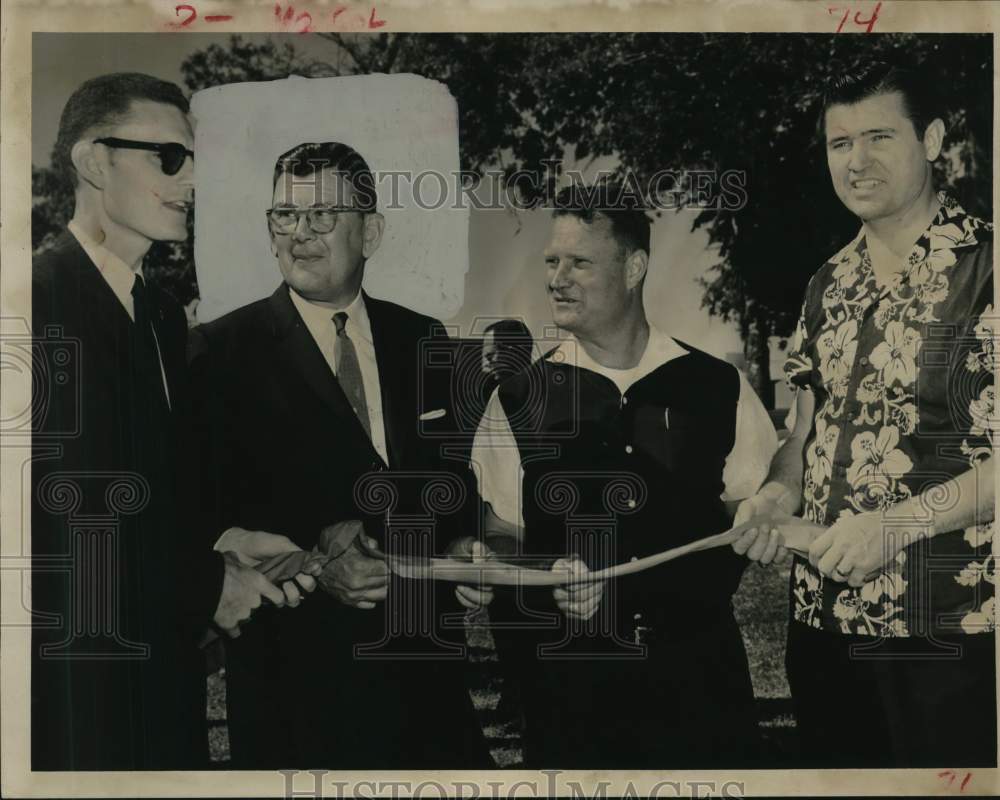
x=497, y=463
x=319, y=322
x=120, y=277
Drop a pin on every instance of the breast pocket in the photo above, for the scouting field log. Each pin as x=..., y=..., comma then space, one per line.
x=667, y=435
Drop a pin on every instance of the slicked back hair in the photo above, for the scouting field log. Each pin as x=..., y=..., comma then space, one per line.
x=920, y=100
x=103, y=102
x=311, y=157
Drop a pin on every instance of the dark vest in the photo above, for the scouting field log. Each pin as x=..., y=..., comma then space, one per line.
x=616, y=477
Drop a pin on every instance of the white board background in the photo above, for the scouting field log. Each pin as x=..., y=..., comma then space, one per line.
x=397, y=122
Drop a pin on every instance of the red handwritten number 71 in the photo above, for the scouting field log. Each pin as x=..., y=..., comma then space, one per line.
x=950, y=775
x=868, y=24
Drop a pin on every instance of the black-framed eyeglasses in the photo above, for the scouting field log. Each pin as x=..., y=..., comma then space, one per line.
x=172, y=154
x=321, y=219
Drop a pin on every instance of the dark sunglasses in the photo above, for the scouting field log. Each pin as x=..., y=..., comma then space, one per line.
x=172, y=154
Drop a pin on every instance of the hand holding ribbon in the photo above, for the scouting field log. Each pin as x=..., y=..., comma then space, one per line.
x=577, y=600
x=468, y=548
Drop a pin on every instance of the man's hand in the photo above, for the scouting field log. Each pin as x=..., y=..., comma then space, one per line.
x=579, y=600
x=854, y=549
x=242, y=590
x=357, y=579
x=469, y=548
x=762, y=545
x=254, y=547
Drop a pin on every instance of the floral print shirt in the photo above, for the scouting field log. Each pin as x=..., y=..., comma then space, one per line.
x=903, y=377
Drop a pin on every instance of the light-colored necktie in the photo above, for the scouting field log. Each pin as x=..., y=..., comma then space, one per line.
x=349, y=372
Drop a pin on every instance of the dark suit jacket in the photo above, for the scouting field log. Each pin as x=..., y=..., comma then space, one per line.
x=285, y=454
x=120, y=584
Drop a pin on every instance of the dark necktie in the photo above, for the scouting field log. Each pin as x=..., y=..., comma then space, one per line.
x=149, y=353
x=349, y=372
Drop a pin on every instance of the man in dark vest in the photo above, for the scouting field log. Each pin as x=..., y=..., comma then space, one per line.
x=622, y=442
x=121, y=586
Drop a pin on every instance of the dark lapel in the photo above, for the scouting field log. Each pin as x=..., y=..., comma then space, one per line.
x=92, y=296
x=104, y=315
x=391, y=353
x=298, y=347
x=171, y=338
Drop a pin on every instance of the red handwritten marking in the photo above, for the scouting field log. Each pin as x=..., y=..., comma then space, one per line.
x=867, y=24
x=305, y=17
x=840, y=27
x=950, y=775
x=375, y=23
x=309, y=22
x=218, y=17
x=177, y=12
x=337, y=12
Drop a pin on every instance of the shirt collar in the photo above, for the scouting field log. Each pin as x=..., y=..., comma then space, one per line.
x=118, y=275
x=951, y=228
x=318, y=318
x=660, y=348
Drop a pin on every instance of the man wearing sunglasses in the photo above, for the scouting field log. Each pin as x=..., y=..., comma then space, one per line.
x=317, y=389
x=117, y=680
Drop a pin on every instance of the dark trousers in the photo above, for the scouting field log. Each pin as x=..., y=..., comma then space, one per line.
x=900, y=702
x=687, y=704
x=300, y=695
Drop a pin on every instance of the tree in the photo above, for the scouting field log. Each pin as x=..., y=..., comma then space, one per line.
x=724, y=102
x=745, y=102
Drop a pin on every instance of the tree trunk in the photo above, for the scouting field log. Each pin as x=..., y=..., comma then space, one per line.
x=758, y=356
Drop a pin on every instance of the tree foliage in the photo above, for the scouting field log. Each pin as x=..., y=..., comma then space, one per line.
x=745, y=102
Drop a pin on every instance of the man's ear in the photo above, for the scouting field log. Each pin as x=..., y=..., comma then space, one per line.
x=274, y=247
x=89, y=163
x=374, y=228
x=635, y=268
x=934, y=139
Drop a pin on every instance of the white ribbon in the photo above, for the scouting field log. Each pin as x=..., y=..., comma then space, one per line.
x=795, y=533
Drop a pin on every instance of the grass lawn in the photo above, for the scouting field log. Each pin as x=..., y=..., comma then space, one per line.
x=761, y=608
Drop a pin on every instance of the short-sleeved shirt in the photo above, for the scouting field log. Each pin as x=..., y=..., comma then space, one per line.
x=497, y=462
x=903, y=378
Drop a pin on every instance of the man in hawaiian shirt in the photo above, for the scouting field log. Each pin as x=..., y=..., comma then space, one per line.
x=891, y=647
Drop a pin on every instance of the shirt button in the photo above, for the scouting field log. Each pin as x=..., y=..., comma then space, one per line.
x=864, y=361
x=635, y=558
x=630, y=503
x=628, y=448
x=624, y=401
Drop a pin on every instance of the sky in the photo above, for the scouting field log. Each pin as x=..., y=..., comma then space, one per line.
x=506, y=270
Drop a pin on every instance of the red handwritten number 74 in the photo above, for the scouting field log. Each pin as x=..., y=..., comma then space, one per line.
x=868, y=24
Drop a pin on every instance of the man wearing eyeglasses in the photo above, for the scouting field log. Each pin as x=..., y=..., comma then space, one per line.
x=121, y=585
x=315, y=391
